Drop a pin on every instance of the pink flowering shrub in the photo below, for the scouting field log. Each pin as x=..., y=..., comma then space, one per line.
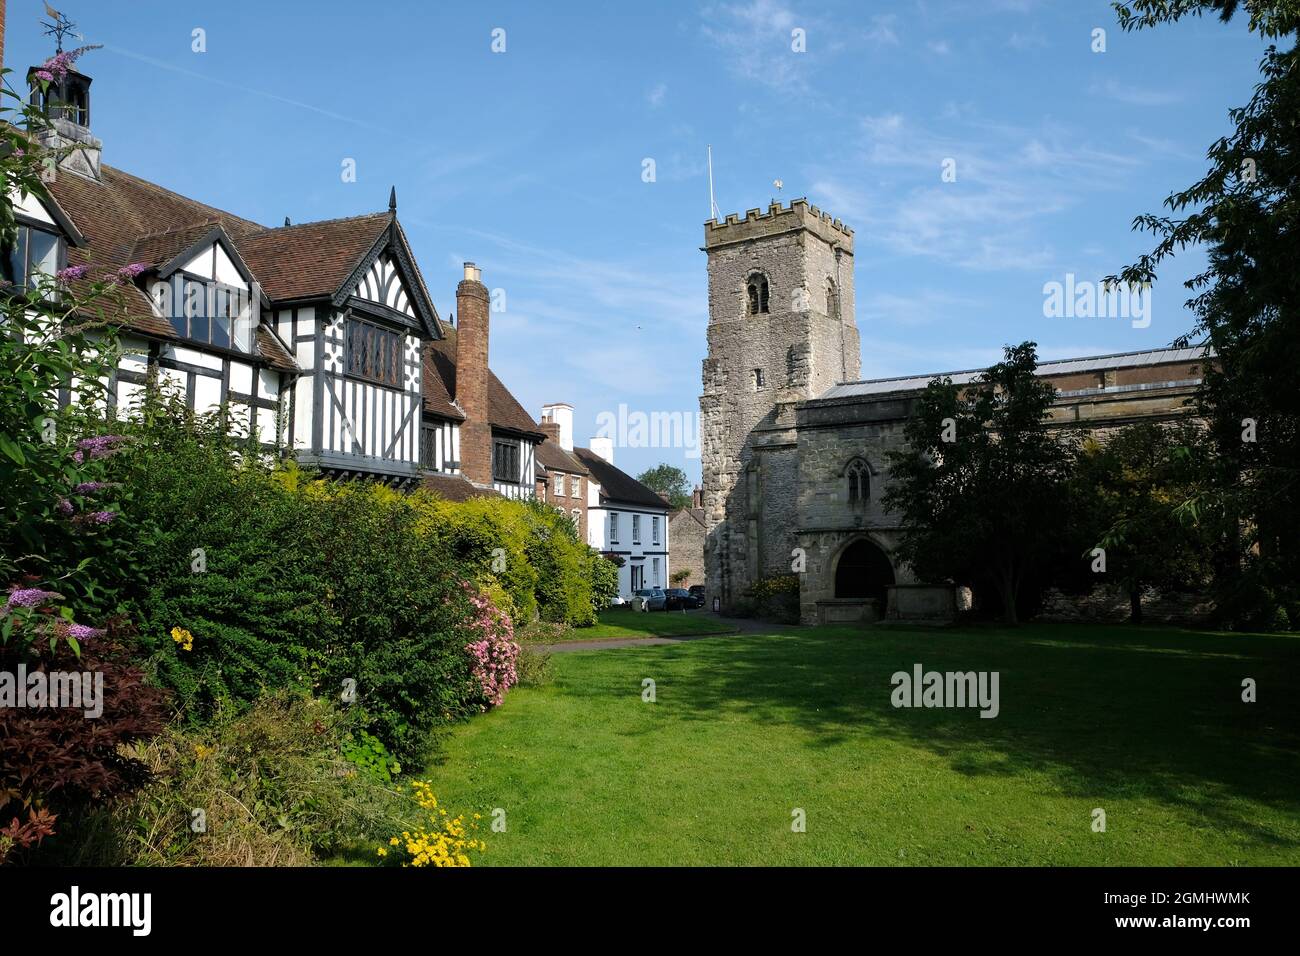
x=493, y=652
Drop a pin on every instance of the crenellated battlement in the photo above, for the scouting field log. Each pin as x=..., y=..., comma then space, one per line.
x=778, y=219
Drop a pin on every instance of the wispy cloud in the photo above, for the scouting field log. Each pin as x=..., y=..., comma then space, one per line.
x=1008, y=181
x=755, y=38
x=1132, y=94
x=655, y=97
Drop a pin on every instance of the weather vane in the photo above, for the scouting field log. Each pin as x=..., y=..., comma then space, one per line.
x=60, y=28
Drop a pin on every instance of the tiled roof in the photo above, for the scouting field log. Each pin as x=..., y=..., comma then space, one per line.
x=504, y=410
x=617, y=485
x=453, y=487
x=555, y=458
x=313, y=259
x=127, y=220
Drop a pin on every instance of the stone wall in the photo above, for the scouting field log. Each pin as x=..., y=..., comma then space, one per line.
x=1110, y=604
x=758, y=367
x=686, y=546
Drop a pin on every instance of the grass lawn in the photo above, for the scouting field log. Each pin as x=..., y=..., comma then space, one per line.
x=1147, y=724
x=622, y=622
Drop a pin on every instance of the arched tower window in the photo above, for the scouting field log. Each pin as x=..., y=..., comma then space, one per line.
x=832, y=299
x=858, y=476
x=756, y=293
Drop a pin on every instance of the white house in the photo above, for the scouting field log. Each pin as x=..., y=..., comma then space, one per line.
x=625, y=518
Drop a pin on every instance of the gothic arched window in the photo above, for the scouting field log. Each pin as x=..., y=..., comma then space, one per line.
x=858, y=475
x=832, y=299
x=756, y=293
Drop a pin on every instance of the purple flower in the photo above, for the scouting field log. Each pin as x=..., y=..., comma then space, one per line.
x=57, y=66
x=98, y=446
x=83, y=631
x=128, y=274
x=100, y=517
x=71, y=273
x=30, y=597
x=64, y=506
x=92, y=487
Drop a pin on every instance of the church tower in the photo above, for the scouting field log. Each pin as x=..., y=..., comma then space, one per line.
x=781, y=330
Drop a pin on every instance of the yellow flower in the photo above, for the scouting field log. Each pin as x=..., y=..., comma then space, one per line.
x=382, y=852
x=183, y=637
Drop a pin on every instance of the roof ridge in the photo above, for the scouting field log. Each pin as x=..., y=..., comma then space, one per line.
x=267, y=230
x=1081, y=358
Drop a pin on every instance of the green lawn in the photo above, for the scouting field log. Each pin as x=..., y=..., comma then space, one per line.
x=621, y=622
x=1145, y=723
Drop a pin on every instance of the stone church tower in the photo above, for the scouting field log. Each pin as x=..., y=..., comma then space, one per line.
x=781, y=330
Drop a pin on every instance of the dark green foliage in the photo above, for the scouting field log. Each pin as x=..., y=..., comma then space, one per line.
x=983, y=509
x=668, y=480
x=1246, y=211
x=1123, y=494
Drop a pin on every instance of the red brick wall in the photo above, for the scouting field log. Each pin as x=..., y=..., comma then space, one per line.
x=472, y=379
x=564, y=502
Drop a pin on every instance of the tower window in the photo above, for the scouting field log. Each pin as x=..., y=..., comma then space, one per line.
x=759, y=381
x=756, y=293
x=832, y=299
x=859, y=479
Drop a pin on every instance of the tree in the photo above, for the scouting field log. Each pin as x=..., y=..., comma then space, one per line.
x=1246, y=212
x=1123, y=491
x=668, y=480
x=980, y=484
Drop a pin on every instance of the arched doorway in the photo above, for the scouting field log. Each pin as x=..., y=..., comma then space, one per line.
x=863, y=571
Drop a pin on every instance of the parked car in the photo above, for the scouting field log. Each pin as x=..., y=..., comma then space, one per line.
x=697, y=592
x=651, y=599
x=617, y=601
x=680, y=599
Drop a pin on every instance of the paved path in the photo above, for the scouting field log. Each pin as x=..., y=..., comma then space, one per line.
x=737, y=626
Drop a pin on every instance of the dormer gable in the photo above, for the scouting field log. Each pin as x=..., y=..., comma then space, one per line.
x=387, y=283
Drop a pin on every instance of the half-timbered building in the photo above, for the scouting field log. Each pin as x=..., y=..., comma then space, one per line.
x=320, y=338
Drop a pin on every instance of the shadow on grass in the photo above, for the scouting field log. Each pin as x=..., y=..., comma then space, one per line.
x=1147, y=712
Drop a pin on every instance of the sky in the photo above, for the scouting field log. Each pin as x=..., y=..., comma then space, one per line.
x=530, y=160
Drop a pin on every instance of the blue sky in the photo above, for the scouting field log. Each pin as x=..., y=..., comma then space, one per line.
x=529, y=162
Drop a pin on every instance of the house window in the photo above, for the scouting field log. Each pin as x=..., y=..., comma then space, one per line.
x=859, y=479
x=559, y=485
x=577, y=520
x=756, y=294
x=759, y=380
x=654, y=571
x=208, y=312
x=505, y=461
x=613, y=527
x=429, y=447
x=654, y=530
x=35, y=250
x=374, y=353
x=575, y=486
x=636, y=529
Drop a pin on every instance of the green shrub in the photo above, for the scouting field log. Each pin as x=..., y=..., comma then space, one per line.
x=274, y=786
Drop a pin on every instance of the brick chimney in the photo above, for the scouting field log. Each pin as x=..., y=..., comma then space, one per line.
x=472, y=376
x=550, y=429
